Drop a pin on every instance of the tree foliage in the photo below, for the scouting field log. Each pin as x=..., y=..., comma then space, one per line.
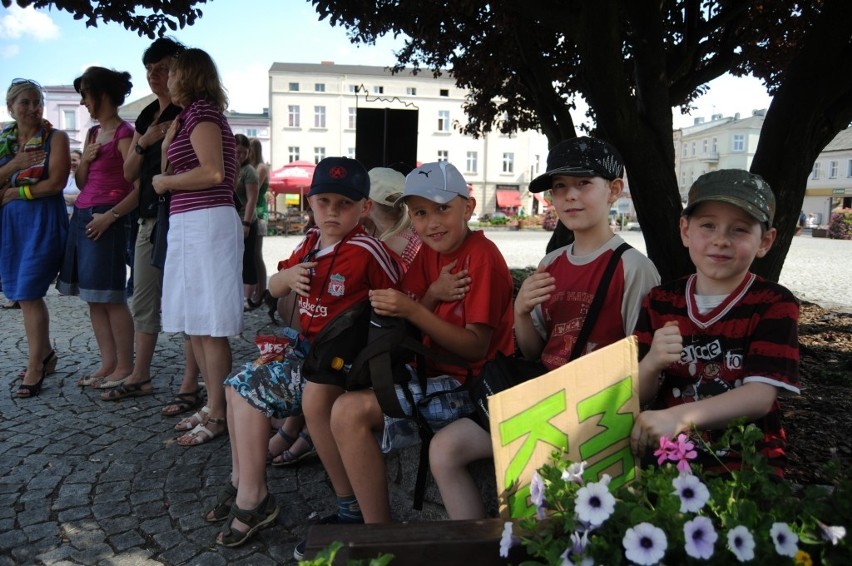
x=632, y=61
x=145, y=17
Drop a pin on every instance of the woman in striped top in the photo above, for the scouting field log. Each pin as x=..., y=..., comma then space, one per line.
x=202, y=283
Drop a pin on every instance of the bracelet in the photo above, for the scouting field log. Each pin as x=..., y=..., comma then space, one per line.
x=21, y=192
x=27, y=192
x=246, y=223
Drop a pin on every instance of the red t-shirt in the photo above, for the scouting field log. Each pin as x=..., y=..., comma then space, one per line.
x=488, y=302
x=344, y=275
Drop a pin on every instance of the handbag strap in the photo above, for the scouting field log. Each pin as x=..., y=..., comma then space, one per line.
x=597, y=302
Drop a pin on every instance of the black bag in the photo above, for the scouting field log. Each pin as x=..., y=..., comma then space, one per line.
x=334, y=348
x=160, y=233
x=504, y=372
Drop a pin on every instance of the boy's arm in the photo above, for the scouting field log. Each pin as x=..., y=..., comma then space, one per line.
x=469, y=342
x=448, y=287
x=535, y=290
x=296, y=278
x=666, y=347
x=751, y=400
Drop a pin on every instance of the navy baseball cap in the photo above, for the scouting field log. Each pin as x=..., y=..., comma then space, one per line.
x=341, y=175
x=580, y=157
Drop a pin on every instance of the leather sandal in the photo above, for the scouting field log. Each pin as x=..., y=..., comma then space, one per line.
x=202, y=435
x=197, y=418
x=182, y=403
x=224, y=501
x=128, y=390
x=291, y=457
x=286, y=437
x=261, y=516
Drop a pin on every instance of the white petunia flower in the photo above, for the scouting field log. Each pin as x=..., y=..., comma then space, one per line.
x=507, y=541
x=644, y=544
x=594, y=503
x=693, y=494
x=832, y=534
x=574, y=473
x=700, y=537
x=786, y=541
x=741, y=543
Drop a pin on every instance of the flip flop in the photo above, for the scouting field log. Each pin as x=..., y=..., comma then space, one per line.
x=127, y=390
x=111, y=383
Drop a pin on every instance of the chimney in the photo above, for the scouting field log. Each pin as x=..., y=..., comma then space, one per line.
x=697, y=121
x=326, y=62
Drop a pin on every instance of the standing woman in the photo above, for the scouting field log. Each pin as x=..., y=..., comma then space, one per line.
x=246, y=191
x=202, y=287
x=34, y=163
x=94, y=265
x=262, y=211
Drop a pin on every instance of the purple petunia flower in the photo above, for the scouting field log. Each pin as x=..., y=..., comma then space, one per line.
x=700, y=537
x=644, y=544
x=741, y=543
x=693, y=494
x=507, y=540
x=594, y=503
x=786, y=541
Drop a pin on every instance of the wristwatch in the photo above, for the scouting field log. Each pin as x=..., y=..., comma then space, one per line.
x=115, y=214
x=139, y=149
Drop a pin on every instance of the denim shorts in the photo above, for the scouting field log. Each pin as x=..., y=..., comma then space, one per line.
x=274, y=388
x=439, y=412
x=95, y=269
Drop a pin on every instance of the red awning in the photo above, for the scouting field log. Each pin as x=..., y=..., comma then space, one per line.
x=508, y=198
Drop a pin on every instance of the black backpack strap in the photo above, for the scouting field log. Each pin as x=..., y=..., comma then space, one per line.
x=597, y=302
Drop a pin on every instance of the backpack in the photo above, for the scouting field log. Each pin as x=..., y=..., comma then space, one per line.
x=371, y=350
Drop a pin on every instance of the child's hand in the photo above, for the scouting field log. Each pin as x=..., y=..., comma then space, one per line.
x=390, y=302
x=535, y=290
x=666, y=346
x=450, y=286
x=298, y=277
x=650, y=426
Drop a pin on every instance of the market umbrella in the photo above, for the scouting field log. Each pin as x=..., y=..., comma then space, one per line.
x=293, y=178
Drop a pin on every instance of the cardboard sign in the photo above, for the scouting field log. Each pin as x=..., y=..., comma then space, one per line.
x=586, y=408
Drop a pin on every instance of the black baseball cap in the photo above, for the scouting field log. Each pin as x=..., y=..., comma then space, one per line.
x=341, y=175
x=737, y=187
x=580, y=157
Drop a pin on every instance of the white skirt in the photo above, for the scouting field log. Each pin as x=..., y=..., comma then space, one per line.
x=202, y=278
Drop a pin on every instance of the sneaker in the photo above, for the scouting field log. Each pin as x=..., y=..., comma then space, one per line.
x=333, y=519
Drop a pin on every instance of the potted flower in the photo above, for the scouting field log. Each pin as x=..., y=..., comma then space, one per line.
x=674, y=515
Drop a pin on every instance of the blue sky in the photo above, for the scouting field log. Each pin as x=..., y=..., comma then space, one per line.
x=245, y=38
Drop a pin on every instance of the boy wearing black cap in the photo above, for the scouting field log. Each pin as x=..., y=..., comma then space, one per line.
x=332, y=269
x=584, y=178
x=722, y=343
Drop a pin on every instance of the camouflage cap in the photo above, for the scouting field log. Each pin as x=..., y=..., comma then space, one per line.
x=737, y=187
x=580, y=157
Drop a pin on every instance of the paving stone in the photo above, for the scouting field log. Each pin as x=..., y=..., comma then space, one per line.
x=125, y=541
x=41, y=530
x=108, y=510
x=157, y=526
x=56, y=554
x=74, y=514
x=12, y=539
x=92, y=554
x=180, y=554
x=119, y=524
x=33, y=515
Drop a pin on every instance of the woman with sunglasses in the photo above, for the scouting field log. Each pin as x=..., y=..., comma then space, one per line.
x=34, y=165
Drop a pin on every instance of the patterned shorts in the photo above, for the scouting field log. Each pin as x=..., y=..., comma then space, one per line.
x=274, y=388
x=439, y=412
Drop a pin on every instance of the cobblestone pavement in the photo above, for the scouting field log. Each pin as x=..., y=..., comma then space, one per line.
x=85, y=481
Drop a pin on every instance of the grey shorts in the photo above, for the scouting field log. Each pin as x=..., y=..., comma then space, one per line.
x=439, y=412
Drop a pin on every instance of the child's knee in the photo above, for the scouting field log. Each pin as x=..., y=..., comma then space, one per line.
x=355, y=410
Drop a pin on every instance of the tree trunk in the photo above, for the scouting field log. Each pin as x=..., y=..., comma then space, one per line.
x=811, y=107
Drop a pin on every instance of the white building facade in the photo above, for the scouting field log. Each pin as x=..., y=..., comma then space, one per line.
x=313, y=111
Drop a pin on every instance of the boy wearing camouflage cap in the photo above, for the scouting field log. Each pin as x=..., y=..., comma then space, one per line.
x=722, y=343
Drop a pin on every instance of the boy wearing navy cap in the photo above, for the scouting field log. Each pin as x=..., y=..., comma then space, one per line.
x=722, y=343
x=332, y=269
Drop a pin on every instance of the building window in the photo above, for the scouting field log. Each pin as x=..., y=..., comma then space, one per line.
x=445, y=92
x=319, y=87
x=319, y=154
x=443, y=120
x=471, y=163
x=319, y=116
x=350, y=152
x=411, y=91
x=292, y=153
x=353, y=88
x=704, y=147
x=685, y=151
x=251, y=132
x=715, y=146
x=832, y=169
x=443, y=155
x=353, y=118
x=378, y=89
x=508, y=163
x=849, y=168
x=739, y=142
x=293, y=120
x=69, y=119
x=693, y=149
x=683, y=178
x=816, y=170
x=293, y=87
